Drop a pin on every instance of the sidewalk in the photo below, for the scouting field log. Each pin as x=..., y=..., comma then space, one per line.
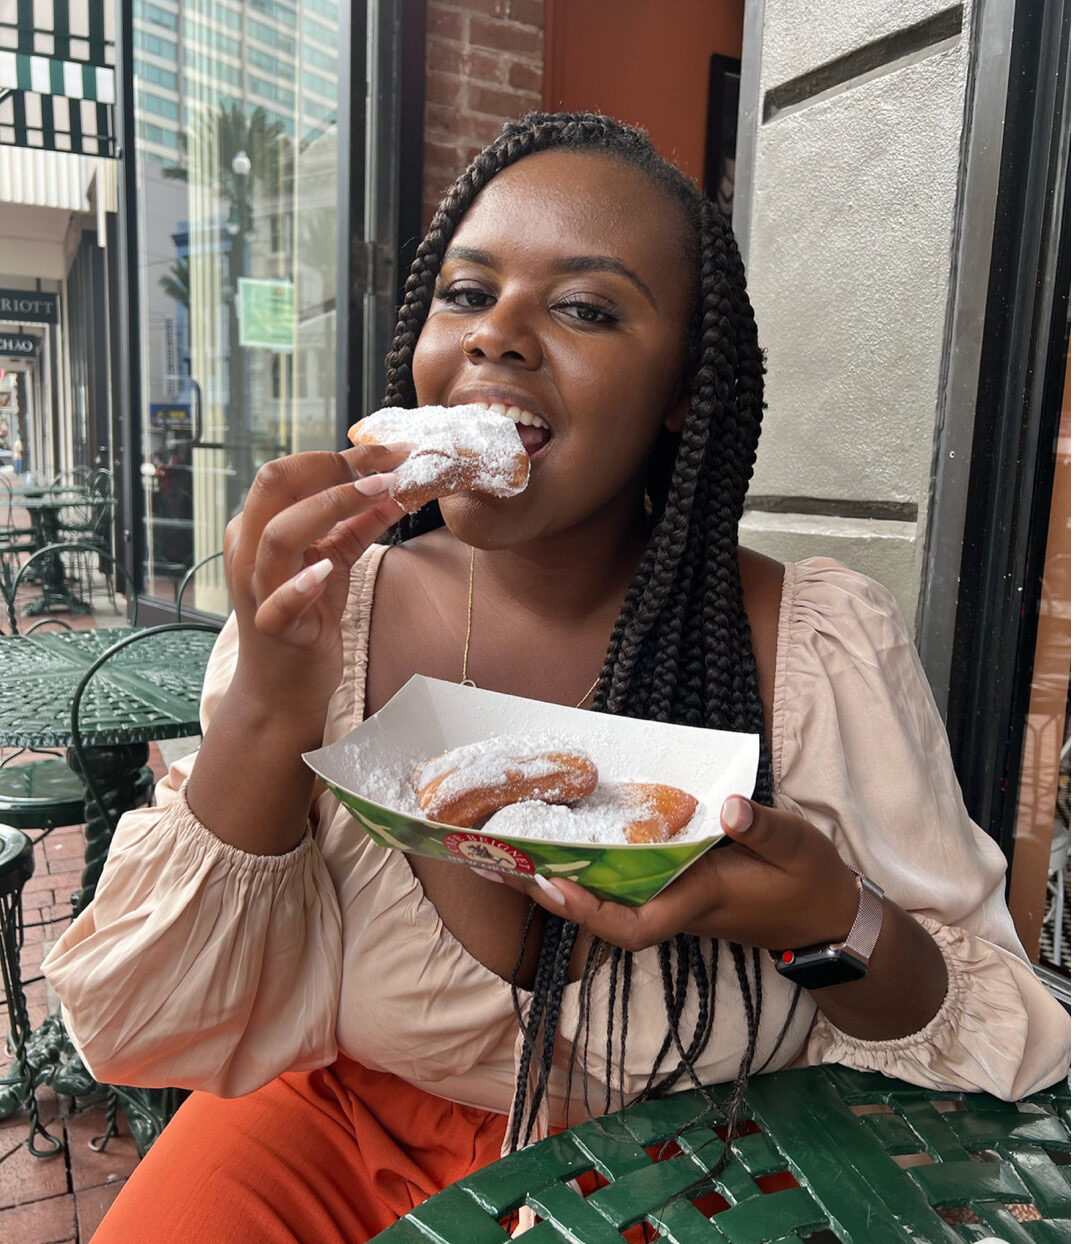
x=59, y=1199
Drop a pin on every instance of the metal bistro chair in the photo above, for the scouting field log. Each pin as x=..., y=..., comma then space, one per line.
x=17, y=1088
x=49, y=560
x=14, y=541
x=44, y=794
x=822, y=1154
x=189, y=576
x=88, y=524
x=147, y=1110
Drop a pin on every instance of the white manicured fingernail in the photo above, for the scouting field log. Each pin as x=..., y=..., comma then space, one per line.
x=488, y=874
x=372, y=485
x=552, y=891
x=310, y=578
x=736, y=814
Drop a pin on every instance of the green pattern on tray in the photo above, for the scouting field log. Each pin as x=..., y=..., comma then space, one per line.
x=630, y=874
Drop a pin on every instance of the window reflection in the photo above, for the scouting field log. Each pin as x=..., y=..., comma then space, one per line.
x=237, y=188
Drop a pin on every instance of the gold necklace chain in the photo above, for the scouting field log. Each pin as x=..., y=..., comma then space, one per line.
x=466, y=681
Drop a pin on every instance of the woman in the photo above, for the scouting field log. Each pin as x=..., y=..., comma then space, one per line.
x=247, y=939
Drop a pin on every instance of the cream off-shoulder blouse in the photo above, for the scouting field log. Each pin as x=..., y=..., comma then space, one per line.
x=201, y=966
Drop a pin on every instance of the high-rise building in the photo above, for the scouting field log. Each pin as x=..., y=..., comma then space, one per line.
x=277, y=55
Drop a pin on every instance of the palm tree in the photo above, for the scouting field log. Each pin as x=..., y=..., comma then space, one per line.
x=231, y=131
x=177, y=283
x=243, y=159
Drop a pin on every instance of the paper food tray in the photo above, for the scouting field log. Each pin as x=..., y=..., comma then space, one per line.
x=428, y=716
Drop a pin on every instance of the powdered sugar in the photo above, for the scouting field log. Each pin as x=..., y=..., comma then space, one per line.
x=489, y=762
x=599, y=818
x=462, y=446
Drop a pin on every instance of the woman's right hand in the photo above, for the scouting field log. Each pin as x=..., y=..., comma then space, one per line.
x=288, y=557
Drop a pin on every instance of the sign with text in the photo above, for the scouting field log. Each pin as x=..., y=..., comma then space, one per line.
x=31, y=306
x=170, y=415
x=266, y=311
x=18, y=345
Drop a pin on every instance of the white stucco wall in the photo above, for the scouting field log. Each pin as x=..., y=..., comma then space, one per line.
x=852, y=213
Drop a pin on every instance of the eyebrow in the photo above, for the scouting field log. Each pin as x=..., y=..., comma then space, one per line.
x=572, y=263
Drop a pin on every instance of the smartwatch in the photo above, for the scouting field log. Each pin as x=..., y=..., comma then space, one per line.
x=835, y=963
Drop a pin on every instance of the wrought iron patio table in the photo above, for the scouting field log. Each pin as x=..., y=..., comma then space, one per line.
x=19, y=491
x=820, y=1154
x=150, y=692
x=56, y=588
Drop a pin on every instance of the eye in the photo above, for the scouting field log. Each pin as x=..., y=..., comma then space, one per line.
x=584, y=311
x=464, y=297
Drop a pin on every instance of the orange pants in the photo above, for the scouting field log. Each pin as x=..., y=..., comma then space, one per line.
x=319, y=1157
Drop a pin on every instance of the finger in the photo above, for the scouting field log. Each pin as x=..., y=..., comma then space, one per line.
x=631, y=928
x=348, y=541
x=287, y=604
x=367, y=458
x=284, y=481
x=283, y=608
x=776, y=837
x=290, y=533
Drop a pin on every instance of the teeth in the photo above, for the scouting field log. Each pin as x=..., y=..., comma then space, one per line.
x=517, y=415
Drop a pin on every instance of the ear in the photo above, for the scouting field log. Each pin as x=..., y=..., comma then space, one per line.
x=677, y=412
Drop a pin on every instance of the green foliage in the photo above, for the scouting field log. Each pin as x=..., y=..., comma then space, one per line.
x=229, y=131
x=177, y=282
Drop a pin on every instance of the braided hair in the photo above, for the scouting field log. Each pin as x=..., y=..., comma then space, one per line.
x=680, y=650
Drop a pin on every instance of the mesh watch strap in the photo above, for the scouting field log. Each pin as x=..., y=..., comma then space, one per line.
x=864, y=934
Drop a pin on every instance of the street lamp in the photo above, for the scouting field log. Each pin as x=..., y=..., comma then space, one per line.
x=237, y=226
x=241, y=169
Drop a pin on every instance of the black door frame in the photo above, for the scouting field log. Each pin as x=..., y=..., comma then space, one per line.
x=1018, y=407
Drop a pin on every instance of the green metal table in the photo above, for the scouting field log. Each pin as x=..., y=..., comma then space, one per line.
x=822, y=1154
x=56, y=588
x=148, y=692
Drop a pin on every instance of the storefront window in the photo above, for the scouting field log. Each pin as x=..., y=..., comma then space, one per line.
x=1040, y=892
x=237, y=224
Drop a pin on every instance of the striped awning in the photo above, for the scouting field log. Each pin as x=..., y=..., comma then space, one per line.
x=57, y=80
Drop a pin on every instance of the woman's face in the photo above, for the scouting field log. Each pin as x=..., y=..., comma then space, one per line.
x=564, y=293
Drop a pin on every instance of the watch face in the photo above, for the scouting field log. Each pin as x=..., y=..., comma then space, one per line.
x=819, y=966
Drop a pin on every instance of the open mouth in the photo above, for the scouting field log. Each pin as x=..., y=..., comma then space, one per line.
x=533, y=430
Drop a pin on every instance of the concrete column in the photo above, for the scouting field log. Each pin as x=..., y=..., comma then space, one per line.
x=850, y=158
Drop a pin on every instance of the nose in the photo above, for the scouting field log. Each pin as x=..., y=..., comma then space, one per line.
x=503, y=334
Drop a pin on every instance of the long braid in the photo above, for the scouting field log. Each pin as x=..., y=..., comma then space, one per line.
x=548, y=987
x=680, y=650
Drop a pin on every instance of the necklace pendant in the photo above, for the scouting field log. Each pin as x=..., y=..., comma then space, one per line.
x=467, y=682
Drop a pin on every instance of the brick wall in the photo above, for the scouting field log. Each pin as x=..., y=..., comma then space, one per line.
x=485, y=62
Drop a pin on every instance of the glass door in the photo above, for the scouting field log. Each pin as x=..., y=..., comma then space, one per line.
x=236, y=149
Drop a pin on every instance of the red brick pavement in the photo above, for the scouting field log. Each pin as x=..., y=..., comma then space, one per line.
x=60, y=1199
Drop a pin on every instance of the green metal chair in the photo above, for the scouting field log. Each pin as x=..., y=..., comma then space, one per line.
x=44, y=794
x=189, y=575
x=823, y=1155
x=147, y=1110
x=49, y=560
x=14, y=541
x=17, y=1087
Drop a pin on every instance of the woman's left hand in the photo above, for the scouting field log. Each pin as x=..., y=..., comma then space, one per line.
x=779, y=884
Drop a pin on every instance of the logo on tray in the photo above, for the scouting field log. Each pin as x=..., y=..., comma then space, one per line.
x=488, y=852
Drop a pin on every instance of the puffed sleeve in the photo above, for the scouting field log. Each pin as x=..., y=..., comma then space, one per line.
x=860, y=750
x=197, y=964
